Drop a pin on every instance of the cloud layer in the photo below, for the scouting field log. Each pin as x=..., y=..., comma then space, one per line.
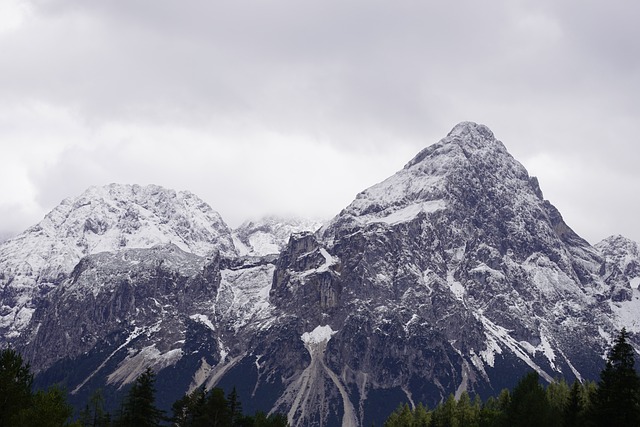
x=294, y=107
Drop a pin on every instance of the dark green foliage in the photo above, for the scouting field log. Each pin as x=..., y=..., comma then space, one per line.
x=617, y=399
x=403, y=416
x=529, y=404
x=573, y=409
x=19, y=406
x=138, y=408
x=48, y=409
x=189, y=411
x=94, y=415
x=467, y=413
x=211, y=409
x=15, y=386
x=235, y=407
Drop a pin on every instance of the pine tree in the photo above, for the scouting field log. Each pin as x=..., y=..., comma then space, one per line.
x=444, y=415
x=421, y=416
x=235, y=406
x=138, y=409
x=490, y=413
x=467, y=413
x=189, y=411
x=557, y=396
x=217, y=409
x=529, y=406
x=617, y=399
x=15, y=386
x=573, y=408
x=48, y=409
x=94, y=414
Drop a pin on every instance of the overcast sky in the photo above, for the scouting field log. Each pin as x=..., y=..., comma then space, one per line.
x=293, y=107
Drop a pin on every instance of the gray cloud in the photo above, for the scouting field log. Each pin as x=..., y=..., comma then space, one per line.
x=122, y=90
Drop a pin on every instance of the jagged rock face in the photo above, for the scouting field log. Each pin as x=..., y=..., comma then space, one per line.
x=269, y=235
x=133, y=290
x=454, y=274
x=449, y=271
x=623, y=263
x=623, y=253
x=190, y=317
x=101, y=219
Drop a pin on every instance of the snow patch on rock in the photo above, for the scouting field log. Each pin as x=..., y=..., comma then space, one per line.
x=318, y=335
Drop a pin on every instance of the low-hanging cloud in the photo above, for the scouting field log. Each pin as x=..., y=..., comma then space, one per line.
x=296, y=106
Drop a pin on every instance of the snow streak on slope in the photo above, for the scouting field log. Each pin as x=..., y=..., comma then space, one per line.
x=497, y=334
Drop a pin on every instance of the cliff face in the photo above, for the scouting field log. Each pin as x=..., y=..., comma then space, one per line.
x=454, y=274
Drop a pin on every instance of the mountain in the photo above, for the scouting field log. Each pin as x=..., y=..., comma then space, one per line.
x=102, y=219
x=453, y=274
x=270, y=234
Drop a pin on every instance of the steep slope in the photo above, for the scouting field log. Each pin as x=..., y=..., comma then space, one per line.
x=189, y=317
x=270, y=234
x=453, y=274
x=101, y=219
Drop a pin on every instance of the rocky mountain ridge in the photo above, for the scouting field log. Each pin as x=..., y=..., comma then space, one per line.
x=269, y=235
x=453, y=274
x=102, y=219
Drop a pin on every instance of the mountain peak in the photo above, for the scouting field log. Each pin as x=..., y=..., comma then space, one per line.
x=469, y=165
x=469, y=137
x=471, y=130
x=102, y=219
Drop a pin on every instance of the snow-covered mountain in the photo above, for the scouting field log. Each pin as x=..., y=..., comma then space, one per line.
x=269, y=234
x=102, y=219
x=453, y=274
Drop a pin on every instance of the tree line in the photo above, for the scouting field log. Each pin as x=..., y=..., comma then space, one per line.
x=613, y=401
x=20, y=406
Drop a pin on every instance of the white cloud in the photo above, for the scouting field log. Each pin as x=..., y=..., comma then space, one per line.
x=13, y=14
x=297, y=106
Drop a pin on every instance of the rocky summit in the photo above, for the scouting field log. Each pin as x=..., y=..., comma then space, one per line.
x=453, y=274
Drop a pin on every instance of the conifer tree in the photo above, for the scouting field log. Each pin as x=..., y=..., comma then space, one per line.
x=94, y=414
x=235, y=406
x=139, y=408
x=15, y=386
x=48, y=409
x=421, y=416
x=217, y=409
x=617, y=399
x=573, y=408
x=444, y=415
x=467, y=413
x=529, y=406
x=189, y=411
x=557, y=396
